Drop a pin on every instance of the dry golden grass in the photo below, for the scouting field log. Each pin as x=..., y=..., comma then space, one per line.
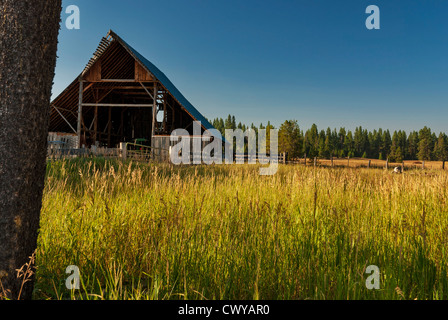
x=145, y=231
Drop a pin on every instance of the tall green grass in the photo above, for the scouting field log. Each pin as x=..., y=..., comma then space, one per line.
x=146, y=231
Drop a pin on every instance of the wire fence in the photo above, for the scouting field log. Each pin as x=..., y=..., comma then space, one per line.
x=142, y=152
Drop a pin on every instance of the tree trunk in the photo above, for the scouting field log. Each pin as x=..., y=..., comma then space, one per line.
x=28, y=42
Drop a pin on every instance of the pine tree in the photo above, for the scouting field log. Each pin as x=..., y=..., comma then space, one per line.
x=395, y=151
x=413, y=145
x=311, y=142
x=228, y=122
x=321, y=145
x=386, y=143
x=358, y=142
x=403, y=144
x=349, y=145
x=334, y=143
x=441, y=148
x=376, y=143
x=425, y=145
x=290, y=139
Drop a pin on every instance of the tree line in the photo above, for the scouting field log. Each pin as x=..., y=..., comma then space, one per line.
x=362, y=143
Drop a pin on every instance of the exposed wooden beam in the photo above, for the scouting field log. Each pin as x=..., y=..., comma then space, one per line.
x=118, y=105
x=119, y=87
x=88, y=87
x=64, y=118
x=104, y=96
x=67, y=110
x=116, y=80
x=147, y=91
x=133, y=93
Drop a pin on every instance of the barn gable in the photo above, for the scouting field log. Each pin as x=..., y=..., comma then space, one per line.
x=121, y=96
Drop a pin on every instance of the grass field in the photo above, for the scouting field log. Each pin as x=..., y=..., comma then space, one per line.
x=146, y=231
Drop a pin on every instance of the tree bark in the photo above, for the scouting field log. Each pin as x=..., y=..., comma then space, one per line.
x=28, y=41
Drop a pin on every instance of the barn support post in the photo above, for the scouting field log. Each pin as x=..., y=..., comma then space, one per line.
x=95, y=117
x=78, y=131
x=154, y=114
x=164, y=110
x=109, y=128
x=122, y=122
x=173, y=119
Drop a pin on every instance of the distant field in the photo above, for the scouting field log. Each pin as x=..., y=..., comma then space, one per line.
x=146, y=231
x=362, y=162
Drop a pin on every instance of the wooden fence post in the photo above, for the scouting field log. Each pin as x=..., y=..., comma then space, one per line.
x=423, y=164
x=369, y=164
x=348, y=162
x=123, y=147
x=169, y=155
x=387, y=164
x=332, y=163
x=315, y=162
x=402, y=166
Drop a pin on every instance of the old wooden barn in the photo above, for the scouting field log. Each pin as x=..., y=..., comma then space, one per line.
x=120, y=96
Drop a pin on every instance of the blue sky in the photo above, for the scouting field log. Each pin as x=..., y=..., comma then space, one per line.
x=313, y=61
